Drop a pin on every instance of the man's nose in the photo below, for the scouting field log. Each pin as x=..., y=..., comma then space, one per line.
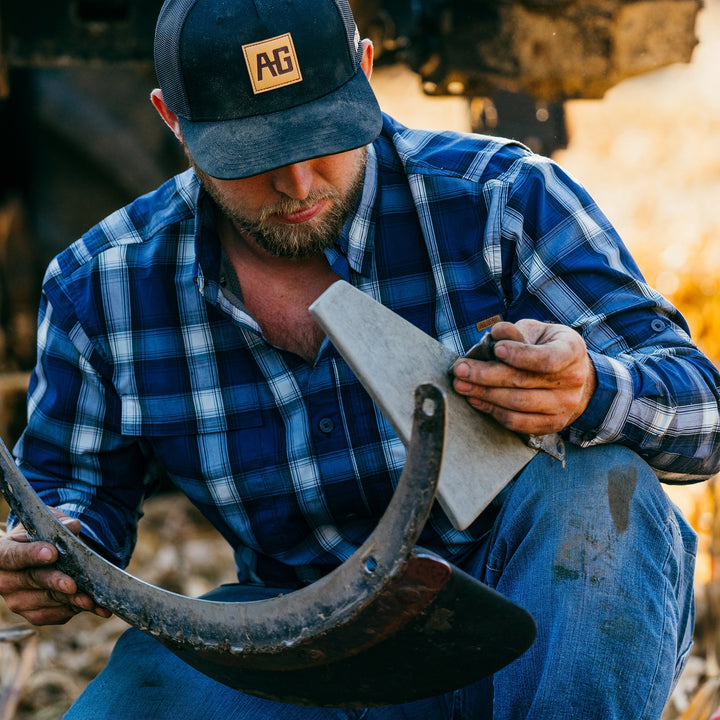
x=295, y=181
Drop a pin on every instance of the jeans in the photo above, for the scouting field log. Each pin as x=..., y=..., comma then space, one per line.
x=593, y=550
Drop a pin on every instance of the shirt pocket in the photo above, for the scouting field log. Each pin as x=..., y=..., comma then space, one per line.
x=206, y=411
x=201, y=439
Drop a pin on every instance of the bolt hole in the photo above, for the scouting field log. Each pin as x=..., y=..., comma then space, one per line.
x=428, y=407
x=371, y=565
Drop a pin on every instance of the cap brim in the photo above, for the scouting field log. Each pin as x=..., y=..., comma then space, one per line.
x=345, y=119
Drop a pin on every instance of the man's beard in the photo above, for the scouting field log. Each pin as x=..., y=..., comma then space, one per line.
x=299, y=240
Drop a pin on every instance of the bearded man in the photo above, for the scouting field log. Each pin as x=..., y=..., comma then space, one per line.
x=178, y=329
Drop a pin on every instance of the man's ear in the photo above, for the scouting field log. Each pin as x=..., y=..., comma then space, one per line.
x=170, y=118
x=367, y=57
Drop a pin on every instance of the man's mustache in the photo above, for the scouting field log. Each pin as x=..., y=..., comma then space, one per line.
x=287, y=206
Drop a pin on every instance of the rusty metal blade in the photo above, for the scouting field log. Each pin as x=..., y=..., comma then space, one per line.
x=391, y=357
x=392, y=624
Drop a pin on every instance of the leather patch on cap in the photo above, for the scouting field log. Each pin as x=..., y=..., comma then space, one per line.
x=272, y=63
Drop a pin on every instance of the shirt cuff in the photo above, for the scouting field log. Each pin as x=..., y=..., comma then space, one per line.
x=607, y=412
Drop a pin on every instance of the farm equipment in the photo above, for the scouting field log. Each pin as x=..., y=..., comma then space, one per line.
x=80, y=139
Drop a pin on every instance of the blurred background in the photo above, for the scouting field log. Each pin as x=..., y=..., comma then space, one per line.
x=622, y=94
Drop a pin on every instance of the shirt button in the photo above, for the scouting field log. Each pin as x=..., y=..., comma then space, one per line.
x=657, y=325
x=326, y=425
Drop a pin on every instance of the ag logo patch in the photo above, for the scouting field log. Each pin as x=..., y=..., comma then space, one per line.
x=272, y=63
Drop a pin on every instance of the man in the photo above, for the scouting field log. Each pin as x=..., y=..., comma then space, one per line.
x=178, y=329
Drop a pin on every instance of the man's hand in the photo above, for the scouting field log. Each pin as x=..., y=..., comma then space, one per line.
x=541, y=381
x=33, y=587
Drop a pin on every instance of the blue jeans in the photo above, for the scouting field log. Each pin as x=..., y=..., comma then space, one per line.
x=597, y=554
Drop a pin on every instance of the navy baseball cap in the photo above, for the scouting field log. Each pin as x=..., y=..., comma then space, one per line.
x=258, y=84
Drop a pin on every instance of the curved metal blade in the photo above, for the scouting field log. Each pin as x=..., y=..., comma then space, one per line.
x=286, y=647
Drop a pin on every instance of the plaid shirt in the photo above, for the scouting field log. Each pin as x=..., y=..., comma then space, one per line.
x=144, y=352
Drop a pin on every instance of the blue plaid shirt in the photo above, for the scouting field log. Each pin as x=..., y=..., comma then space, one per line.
x=143, y=352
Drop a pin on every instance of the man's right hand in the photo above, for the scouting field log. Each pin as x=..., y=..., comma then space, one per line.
x=33, y=587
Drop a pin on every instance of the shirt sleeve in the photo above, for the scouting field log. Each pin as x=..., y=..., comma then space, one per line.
x=563, y=262
x=72, y=451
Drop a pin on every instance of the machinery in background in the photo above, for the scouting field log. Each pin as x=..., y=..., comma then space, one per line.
x=79, y=137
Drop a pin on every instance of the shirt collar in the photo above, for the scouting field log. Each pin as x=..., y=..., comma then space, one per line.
x=207, y=243
x=358, y=236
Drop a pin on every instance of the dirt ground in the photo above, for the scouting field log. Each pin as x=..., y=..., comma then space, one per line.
x=649, y=152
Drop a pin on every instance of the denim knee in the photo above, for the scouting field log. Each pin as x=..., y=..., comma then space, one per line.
x=601, y=558
x=603, y=490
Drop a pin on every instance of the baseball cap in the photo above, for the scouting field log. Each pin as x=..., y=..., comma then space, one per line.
x=258, y=84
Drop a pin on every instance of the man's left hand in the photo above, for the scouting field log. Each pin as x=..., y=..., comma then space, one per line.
x=540, y=382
